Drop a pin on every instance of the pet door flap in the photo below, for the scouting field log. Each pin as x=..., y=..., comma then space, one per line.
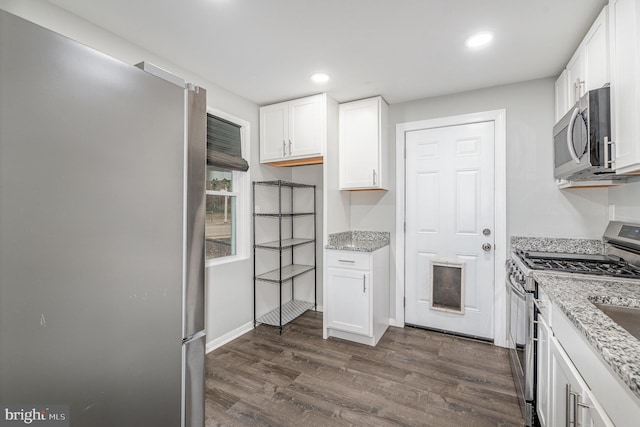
x=447, y=286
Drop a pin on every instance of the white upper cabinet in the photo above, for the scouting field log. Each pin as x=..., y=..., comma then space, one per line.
x=588, y=68
x=363, y=144
x=625, y=98
x=562, y=95
x=294, y=132
x=596, y=53
x=273, y=132
x=576, y=76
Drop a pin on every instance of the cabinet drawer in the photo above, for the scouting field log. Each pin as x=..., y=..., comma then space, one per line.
x=349, y=259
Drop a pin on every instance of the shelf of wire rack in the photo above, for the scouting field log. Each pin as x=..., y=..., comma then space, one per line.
x=284, y=215
x=284, y=244
x=290, y=310
x=284, y=274
x=287, y=270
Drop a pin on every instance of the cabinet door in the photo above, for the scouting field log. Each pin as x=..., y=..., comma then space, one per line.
x=564, y=382
x=273, y=127
x=596, y=52
x=542, y=362
x=575, y=76
x=571, y=401
x=348, y=301
x=360, y=144
x=624, y=83
x=306, y=126
x=591, y=413
x=562, y=95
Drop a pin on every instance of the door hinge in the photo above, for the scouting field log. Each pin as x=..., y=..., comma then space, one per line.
x=404, y=301
x=405, y=227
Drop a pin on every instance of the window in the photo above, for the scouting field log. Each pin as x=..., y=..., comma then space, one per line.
x=227, y=188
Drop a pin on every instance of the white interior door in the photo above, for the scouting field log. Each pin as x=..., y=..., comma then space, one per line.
x=449, y=217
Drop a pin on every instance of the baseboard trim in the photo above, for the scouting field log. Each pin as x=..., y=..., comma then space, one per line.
x=396, y=323
x=229, y=336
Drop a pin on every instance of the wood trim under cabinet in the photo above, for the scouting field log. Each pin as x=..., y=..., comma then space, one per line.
x=298, y=162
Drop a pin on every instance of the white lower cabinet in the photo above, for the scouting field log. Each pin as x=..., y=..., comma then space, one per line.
x=563, y=397
x=572, y=403
x=350, y=301
x=357, y=295
x=542, y=362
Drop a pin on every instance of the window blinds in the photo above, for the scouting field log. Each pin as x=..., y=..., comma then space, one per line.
x=224, y=145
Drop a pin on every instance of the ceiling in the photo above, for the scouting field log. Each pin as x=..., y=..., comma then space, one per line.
x=266, y=50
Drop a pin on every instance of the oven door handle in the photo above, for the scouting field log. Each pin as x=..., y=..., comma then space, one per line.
x=517, y=289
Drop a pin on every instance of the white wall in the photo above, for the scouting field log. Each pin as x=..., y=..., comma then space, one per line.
x=535, y=207
x=625, y=201
x=304, y=284
x=229, y=287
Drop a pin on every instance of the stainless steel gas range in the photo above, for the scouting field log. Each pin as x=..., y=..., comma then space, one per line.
x=620, y=258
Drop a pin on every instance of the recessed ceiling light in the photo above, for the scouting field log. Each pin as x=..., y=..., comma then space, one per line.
x=320, y=78
x=479, y=40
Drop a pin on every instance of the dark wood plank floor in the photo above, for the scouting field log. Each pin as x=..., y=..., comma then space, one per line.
x=412, y=377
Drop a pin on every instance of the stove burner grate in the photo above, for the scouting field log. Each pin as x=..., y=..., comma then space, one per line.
x=614, y=267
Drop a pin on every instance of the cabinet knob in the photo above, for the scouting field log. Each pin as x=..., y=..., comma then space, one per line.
x=374, y=177
x=364, y=283
x=284, y=148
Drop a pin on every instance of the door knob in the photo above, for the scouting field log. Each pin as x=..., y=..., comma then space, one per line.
x=486, y=247
x=486, y=232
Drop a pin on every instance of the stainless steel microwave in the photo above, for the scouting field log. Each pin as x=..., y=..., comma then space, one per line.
x=582, y=139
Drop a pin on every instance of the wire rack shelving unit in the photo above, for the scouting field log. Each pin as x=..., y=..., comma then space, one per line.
x=287, y=271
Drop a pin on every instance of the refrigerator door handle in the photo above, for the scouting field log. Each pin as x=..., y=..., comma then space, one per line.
x=194, y=211
x=193, y=355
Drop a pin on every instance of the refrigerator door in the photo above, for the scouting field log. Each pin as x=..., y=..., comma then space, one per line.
x=92, y=191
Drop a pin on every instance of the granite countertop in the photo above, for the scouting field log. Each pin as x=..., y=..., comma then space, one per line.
x=358, y=241
x=574, y=295
x=550, y=244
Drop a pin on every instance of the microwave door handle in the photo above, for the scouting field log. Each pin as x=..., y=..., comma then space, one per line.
x=572, y=150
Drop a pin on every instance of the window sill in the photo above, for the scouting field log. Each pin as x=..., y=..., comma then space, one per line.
x=212, y=262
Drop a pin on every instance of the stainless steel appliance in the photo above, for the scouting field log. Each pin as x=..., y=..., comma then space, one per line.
x=582, y=139
x=102, y=171
x=521, y=293
x=621, y=259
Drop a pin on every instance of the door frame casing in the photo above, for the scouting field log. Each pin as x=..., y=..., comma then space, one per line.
x=498, y=117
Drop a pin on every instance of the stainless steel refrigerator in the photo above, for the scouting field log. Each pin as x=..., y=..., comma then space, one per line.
x=102, y=171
